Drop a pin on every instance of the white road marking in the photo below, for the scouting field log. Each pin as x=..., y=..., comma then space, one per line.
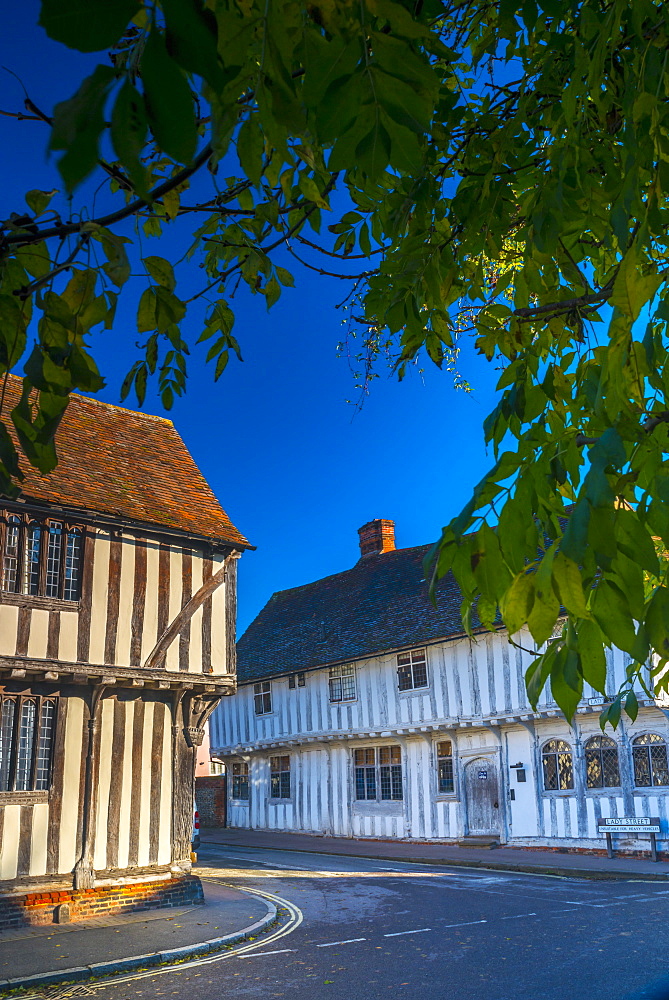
x=466, y=924
x=331, y=944
x=517, y=916
x=421, y=930
x=257, y=954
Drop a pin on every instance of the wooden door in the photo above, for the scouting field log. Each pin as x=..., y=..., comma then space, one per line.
x=482, y=791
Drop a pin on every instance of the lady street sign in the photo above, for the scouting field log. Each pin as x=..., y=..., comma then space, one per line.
x=630, y=824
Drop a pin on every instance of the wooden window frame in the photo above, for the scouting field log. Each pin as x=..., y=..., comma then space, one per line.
x=239, y=771
x=262, y=697
x=412, y=675
x=557, y=753
x=19, y=700
x=279, y=777
x=445, y=767
x=20, y=591
x=639, y=748
x=336, y=681
x=377, y=774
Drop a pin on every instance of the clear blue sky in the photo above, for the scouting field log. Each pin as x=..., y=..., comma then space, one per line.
x=295, y=466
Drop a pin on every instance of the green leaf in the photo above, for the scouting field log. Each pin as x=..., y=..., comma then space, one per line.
x=12, y=331
x=128, y=135
x=78, y=124
x=168, y=99
x=161, y=271
x=593, y=657
x=566, y=682
x=285, y=277
x=146, y=311
x=657, y=622
x=569, y=585
x=272, y=291
x=191, y=40
x=35, y=259
x=373, y=151
x=516, y=604
x=38, y=201
x=250, y=148
x=575, y=538
x=612, y=615
x=632, y=289
x=632, y=706
x=87, y=25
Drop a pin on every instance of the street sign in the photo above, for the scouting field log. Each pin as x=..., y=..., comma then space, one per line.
x=483, y=775
x=629, y=824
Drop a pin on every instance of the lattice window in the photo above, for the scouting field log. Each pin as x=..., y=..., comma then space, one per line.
x=378, y=773
x=601, y=763
x=262, y=697
x=342, y=683
x=412, y=670
x=445, y=767
x=297, y=680
x=27, y=727
x=41, y=558
x=240, y=780
x=649, y=755
x=280, y=777
x=558, y=766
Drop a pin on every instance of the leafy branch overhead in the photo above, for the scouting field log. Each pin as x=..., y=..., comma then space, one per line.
x=496, y=172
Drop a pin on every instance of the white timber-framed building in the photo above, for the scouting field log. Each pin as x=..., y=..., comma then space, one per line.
x=364, y=711
x=117, y=639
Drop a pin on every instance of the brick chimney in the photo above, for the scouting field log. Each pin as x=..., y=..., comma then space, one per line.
x=376, y=537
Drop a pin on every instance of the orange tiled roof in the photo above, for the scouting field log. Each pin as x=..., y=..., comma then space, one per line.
x=125, y=464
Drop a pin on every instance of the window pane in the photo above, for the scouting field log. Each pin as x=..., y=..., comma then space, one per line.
x=274, y=764
x=395, y=755
x=275, y=786
x=658, y=759
x=384, y=755
x=610, y=769
x=10, y=562
x=370, y=782
x=53, y=559
x=44, y=747
x=31, y=559
x=641, y=761
x=444, y=749
x=593, y=769
x=72, y=566
x=420, y=675
x=565, y=770
x=446, y=775
x=26, y=744
x=550, y=772
x=285, y=784
x=348, y=685
x=335, y=689
x=404, y=681
x=396, y=776
x=360, y=783
x=266, y=703
x=386, y=789
x=6, y=733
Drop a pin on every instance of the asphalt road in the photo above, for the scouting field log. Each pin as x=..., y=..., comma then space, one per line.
x=373, y=929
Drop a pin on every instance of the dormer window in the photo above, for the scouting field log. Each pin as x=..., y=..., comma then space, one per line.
x=40, y=557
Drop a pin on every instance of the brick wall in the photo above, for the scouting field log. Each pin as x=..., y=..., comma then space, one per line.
x=210, y=799
x=39, y=907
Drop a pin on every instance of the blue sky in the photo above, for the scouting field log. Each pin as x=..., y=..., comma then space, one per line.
x=297, y=467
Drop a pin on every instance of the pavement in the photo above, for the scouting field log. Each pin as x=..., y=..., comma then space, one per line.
x=37, y=956
x=538, y=862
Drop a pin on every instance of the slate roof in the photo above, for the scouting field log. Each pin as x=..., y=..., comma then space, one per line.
x=380, y=604
x=126, y=465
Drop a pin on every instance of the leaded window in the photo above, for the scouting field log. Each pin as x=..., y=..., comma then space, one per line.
x=297, y=680
x=262, y=697
x=649, y=754
x=601, y=763
x=280, y=777
x=378, y=773
x=558, y=766
x=342, y=683
x=240, y=780
x=412, y=670
x=42, y=558
x=445, y=767
x=27, y=726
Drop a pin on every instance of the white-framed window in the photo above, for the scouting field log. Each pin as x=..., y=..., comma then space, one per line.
x=412, y=670
x=342, y=683
x=240, y=780
x=378, y=773
x=262, y=697
x=445, y=776
x=297, y=680
x=558, y=766
x=279, y=768
x=649, y=756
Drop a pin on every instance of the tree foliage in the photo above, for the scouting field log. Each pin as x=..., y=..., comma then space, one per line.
x=503, y=171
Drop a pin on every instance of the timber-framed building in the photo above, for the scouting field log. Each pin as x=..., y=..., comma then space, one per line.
x=117, y=639
x=363, y=710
